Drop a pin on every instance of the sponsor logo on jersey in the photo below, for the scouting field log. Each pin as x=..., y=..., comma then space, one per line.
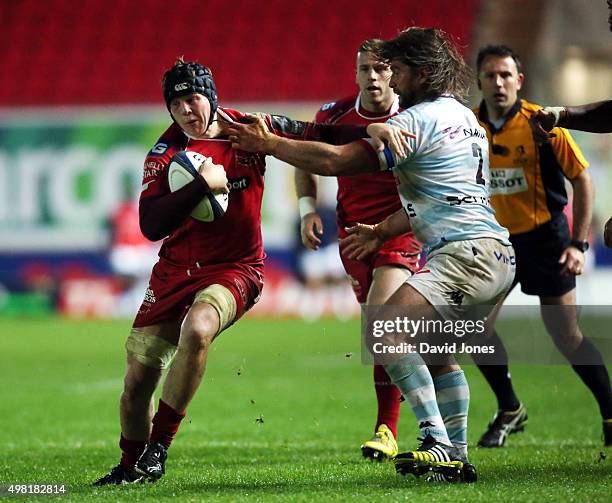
x=249, y=160
x=159, y=148
x=458, y=200
x=327, y=106
x=507, y=181
x=454, y=131
x=239, y=183
x=505, y=259
x=153, y=165
x=475, y=132
x=146, y=185
x=152, y=168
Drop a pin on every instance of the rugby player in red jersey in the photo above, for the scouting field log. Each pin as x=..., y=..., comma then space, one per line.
x=368, y=199
x=203, y=281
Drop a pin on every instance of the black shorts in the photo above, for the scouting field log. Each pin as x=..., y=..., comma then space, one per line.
x=537, y=259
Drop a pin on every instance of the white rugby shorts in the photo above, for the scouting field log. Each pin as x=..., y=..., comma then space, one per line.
x=466, y=273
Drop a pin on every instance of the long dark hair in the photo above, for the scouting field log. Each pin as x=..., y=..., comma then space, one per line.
x=432, y=50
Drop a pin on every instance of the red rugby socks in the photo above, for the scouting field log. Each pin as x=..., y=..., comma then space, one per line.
x=130, y=451
x=388, y=396
x=166, y=423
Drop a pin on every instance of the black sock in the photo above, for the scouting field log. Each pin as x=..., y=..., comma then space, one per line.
x=498, y=376
x=588, y=364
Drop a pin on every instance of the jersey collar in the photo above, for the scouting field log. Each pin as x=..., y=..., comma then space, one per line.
x=364, y=114
x=483, y=114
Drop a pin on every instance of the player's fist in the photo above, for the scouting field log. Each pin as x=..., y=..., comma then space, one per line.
x=214, y=175
x=543, y=121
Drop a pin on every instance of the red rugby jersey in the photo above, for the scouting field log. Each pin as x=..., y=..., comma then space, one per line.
x=371, y=197
x=236, y=237
x=365, y=198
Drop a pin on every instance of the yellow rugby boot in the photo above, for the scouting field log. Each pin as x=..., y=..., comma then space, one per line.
x=382, y=446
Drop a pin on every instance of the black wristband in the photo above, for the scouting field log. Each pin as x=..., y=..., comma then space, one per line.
x=563, y=114
x=581, y=245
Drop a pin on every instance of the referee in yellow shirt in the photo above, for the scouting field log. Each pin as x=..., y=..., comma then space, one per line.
x=528, y=194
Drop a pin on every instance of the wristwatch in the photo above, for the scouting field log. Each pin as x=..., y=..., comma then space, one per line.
x=581, y=245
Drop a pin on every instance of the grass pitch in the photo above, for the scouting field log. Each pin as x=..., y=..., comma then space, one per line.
x=280, y=416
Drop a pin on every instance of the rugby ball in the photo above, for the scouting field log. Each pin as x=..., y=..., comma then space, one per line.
x=182, y=170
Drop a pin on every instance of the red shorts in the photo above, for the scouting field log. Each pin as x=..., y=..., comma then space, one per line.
x=393, y=253
x=172, y=289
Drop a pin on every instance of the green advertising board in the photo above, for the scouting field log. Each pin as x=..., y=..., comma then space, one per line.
x=63, y=173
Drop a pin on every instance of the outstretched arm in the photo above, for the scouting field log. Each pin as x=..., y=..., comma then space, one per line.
x=323, y=159
x=313, y=157
x=335, y=134
x=592, y=118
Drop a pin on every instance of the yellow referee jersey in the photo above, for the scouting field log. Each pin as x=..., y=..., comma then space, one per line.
x=528, y=181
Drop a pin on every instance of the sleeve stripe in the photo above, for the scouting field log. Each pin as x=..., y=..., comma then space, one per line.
x=384, y=160
x=390, y=162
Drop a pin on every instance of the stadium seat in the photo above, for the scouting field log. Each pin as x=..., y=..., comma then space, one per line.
x=106, y=51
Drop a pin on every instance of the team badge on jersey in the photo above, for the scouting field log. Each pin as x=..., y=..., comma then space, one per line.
x=159, y=148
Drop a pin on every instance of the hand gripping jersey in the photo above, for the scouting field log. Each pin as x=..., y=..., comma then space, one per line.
x=527, y=180
x=443, y=182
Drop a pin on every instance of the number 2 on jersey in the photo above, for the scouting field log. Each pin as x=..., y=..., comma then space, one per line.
x=477, y=152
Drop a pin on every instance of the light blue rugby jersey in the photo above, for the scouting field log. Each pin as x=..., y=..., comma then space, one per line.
x=444, y=181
